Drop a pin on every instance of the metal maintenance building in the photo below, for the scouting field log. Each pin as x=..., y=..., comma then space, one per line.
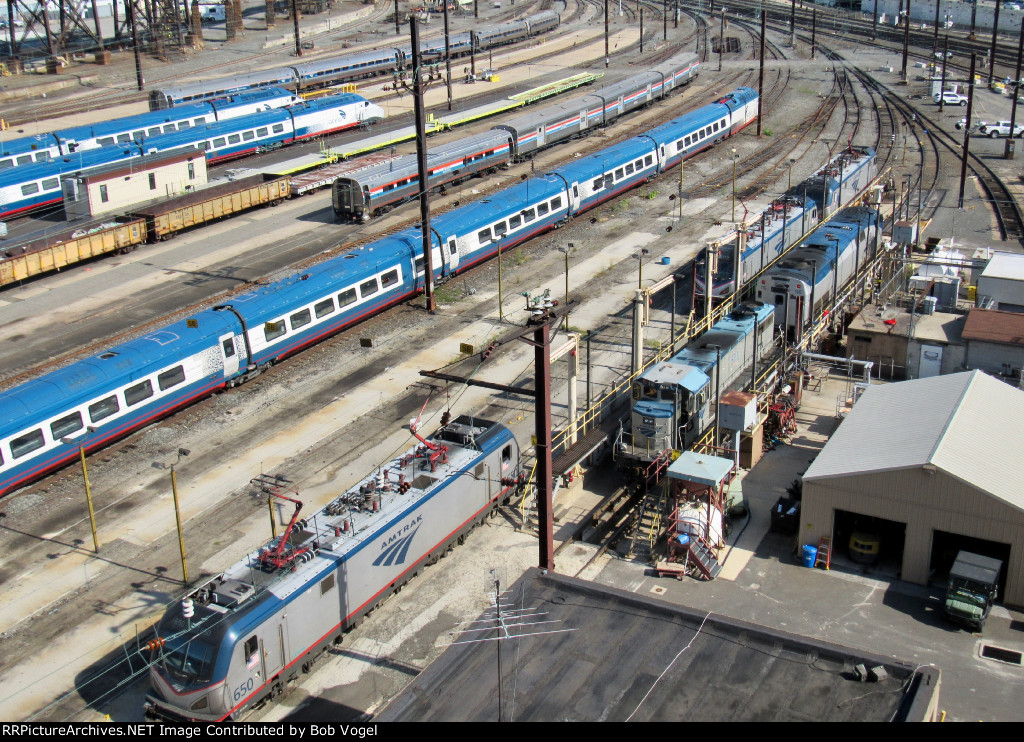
x=931, y=466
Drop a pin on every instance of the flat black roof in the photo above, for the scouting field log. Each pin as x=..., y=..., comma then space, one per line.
x=610, y=655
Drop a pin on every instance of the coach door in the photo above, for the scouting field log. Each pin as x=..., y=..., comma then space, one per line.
x=450, y=254
x=230, y=354
x=584, y=119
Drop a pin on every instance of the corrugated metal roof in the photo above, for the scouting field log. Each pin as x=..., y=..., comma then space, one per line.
x=969, y=425
x=1005, y=265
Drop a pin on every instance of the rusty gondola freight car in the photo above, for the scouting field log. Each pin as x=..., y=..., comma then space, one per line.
x=51, y=252
x=166, y=218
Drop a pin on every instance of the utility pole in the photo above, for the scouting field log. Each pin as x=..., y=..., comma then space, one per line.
x=421, y=159
x=992, y=54
x=606, y=52
x=295, y=26
x=1008, y=152
x=967, y=132
x=760, y=74
x=814, y=31
x=539, y=326
x=447, y=55
x=721, y=39
x=906, y=44
x=135, y=45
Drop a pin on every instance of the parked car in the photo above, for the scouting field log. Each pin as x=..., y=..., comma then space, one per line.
x=951, y=99
x=1000, y=129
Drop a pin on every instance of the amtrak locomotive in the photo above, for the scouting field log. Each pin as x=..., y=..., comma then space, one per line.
x=672, y=400
x=99, y=399
x=242, y=636
x=766, y=236
x=809, y=278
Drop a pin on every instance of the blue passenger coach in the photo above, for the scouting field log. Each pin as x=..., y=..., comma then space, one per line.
x=94, y=401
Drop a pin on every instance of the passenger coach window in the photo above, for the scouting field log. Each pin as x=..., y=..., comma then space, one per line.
x=347, y=297
x=234, y=139
x=278, y=128
x=29, y=188
x=273, y=330
x=649, y=160
x=219, y=142
x=514, y=222
x=103, y=409
x=27, y=443
x=247, y=135
x=484, y=235
x=529, y=215
x=556, y=203
x=629, y=169
x=66, y=425
x=368, y=288
x=300, y=319
x=135, y=394
x=107, y=141
x=542, y=209
x=389, y=279
x=262, y=131
x=50, y=183
x=324, y=308
x=171, y=377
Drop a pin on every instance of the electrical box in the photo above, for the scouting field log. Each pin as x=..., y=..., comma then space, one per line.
x=737, y=410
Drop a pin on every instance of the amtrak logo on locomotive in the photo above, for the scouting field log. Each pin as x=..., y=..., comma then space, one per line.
x=396, y=547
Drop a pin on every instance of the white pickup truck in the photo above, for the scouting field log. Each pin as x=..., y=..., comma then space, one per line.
x=1000, y=129
x=951, y=99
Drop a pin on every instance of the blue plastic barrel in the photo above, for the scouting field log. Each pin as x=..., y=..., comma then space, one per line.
x=665, y=260
x=810, y=554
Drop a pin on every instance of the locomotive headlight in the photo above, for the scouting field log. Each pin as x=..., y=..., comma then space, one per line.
x=200, y=704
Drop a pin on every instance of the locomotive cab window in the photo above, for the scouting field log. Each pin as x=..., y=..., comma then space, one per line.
x=103, y=409
x=251, y=649
x=66, y=425
x=26, y=444
x=300, y=319
x=506, y=456
x=273, y=330
x=171, y=377
x=135, y=394
x=323, y=308
x=229, y=347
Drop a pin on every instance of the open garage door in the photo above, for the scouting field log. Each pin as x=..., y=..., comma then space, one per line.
x=945, y=547
x=864, y=542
